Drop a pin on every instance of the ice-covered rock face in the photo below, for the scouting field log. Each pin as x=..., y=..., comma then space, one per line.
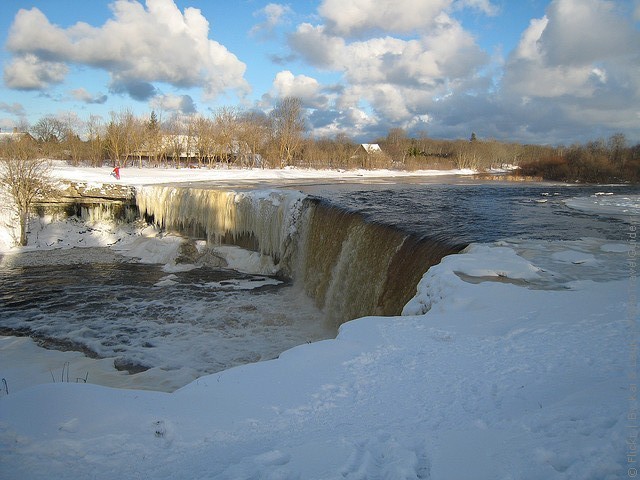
x=97, y=191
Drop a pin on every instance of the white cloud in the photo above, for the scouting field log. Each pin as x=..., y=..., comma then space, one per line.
x=174, y=103
x=600, y=74
x=355, y=122
x=138, y=46
x=13, y=108
x=316, y=46
x=274, y=14
x=483, y=6
x=28, y=72
x=84, y=96
x=528, y=75
x=396, y=77
x=570, y=51
x=582, y=31
x=31, y=32
x=575, y=74
x=401, y=69
x=400, y=16
x=306, y=88
x=446, y=51
x=529, y=47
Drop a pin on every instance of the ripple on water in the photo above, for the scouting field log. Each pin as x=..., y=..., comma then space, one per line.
x=206, y=319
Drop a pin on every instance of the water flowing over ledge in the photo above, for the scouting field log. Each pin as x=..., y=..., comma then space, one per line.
x=348, y=265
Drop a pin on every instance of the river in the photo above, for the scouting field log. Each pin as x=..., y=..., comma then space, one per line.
x=209, y=319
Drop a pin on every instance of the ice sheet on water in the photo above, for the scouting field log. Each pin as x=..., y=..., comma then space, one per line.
x=565, y=261
x=244, y=284
x=535, y=264
x=607, y=203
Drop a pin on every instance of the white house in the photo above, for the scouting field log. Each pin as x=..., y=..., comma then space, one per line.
x=14, y=135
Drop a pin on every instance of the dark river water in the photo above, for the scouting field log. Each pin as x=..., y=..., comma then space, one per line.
x=481, y=212
x=202, y=321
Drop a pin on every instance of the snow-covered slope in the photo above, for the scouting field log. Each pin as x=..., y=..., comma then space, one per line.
x=496, y=380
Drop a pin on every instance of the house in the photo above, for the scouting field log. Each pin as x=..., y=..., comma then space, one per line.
x=370, y=148
x=174, y=147
x=365, y=152
x=14, y=135
x=192, y=148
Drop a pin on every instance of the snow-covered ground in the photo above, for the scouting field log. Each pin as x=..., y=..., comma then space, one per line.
x=148, y=176
x=515, y=360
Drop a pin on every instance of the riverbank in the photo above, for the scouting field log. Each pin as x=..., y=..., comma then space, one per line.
x=100, y=179
x=513, y=360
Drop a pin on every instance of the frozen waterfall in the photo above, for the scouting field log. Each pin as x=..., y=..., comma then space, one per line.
x=351, y=267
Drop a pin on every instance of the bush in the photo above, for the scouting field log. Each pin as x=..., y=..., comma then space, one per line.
x=553, y=167
x=592, y=163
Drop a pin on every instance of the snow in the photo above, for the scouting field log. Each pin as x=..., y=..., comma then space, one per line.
x=244, y=261
x=148, y=176
x=515, y=360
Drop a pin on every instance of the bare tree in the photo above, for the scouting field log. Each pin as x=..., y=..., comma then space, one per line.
x=50, y=132
x=254, y=130
x=137, y=134
x=226, y=128
x=124, y=136
x=115, y=139
x=49, y=129
x=174, y=144
x=465, y=154
x=95, y=140
x=204, y=139
x=71, y=143
x=191, y=140
x=25, y=176
x=617, y=146
x=396, y=145
x=344, y=151
x=288, y=128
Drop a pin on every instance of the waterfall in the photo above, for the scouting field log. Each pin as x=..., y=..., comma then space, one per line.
x=351, y=267
x=106, y=211
x=94, y=211
x=264, y=220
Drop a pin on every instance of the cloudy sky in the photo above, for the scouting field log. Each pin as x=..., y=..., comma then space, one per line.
x=539, y=71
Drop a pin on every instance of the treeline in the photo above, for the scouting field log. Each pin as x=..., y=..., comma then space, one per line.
x=254, y=139
x=600, y=161
x=230, y=136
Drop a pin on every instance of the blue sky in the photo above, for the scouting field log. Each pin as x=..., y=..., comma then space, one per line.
x=551, y=72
